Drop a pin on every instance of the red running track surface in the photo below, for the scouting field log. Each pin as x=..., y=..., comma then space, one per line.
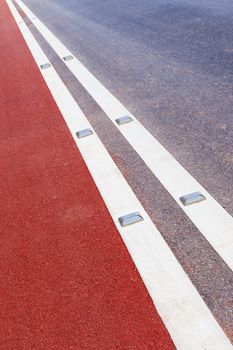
x=67, y=280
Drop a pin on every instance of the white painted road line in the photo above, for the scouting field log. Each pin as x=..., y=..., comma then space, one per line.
x=186, y=316
x=211, y=219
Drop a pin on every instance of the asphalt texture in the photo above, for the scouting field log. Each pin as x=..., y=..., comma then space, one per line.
x=67, y=280
x=170, y=63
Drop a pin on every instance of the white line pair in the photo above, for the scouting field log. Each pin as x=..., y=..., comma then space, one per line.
x=210, y=218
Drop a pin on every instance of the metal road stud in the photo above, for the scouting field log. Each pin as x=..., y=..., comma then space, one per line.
x=45, y=65
x=84, y=133
x=68, y=58
x=130, y=219
x=192, y=198
x=124, y=120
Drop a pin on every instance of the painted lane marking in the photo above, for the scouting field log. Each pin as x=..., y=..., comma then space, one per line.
x=211, y=219
x=186, y=316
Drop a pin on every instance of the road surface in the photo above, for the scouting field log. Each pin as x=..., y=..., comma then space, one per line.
x=170, y=65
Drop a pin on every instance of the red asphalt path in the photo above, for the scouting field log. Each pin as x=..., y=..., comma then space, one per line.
x=67, y=280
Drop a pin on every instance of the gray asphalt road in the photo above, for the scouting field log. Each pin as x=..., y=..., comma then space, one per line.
x=170, y=64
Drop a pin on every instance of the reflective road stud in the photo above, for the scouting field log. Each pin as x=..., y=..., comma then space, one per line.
x=192, y=198
x=130, y=219
x=124, y=120
x=84, y=133
x=68, y=58
x=45, y=65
